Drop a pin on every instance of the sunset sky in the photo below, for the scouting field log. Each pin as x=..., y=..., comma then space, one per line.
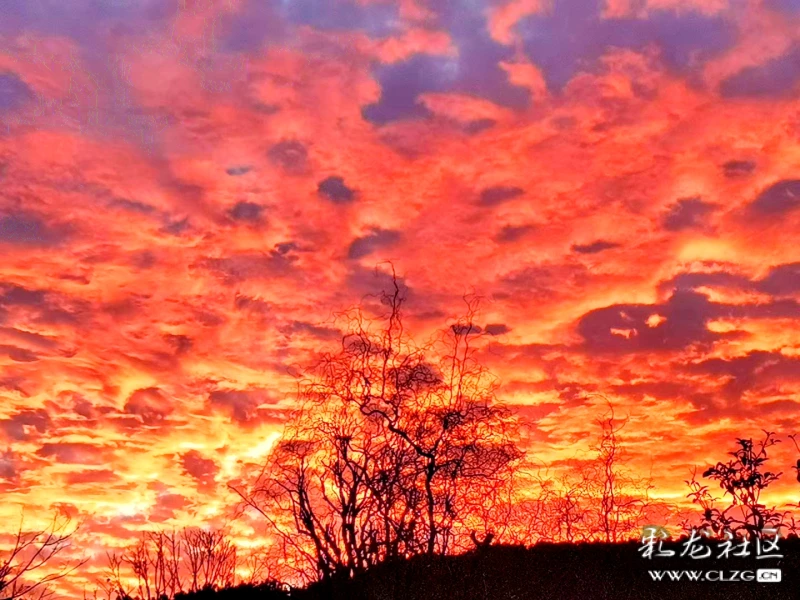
x=191, y=189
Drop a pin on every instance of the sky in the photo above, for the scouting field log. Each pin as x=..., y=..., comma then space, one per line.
x=190, y=190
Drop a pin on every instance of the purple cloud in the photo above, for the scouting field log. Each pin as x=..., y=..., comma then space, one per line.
x=499, y=194
x=474, y=71
x=573, y=36
x=688, y=213
x=594, y=247
x=246, y=211
x=27, y=229
x=334, y=189
x=369, y=244
x=774, y=78
x=13, y=92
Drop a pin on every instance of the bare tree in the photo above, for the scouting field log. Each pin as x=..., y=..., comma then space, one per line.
x=596, y=498
x=623, y=498
x=399, y=449
x=32, y=562
x=211, y=558
x=167, y=563
x=257, y=565
x=112, y=585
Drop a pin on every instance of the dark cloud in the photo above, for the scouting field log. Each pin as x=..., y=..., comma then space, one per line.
x=316, y=331
x=374, y=19
x=625, y=327
x=475, y=71
x=479, y=125
x=84, y=408
x=688, y=213
x=104, y=476
x=738, y=168
x=782, y=280
x=778, y=309
x=13, y=91
x=149, y=404
x=788, y=6
x=8, y=469
x=775, y=78
x=594, y=247
x=496, y=328
x=335, y=190
x=379, y=238
x=545, y=281
x=29, y=338
x=14, y=384
x=574, y=36
x=289, y=155
x=63, y=310
x=677, y=324
x=240, y=267
x=513, y=233
x=73, y=453
x=20, y=427
x=250, y=304
x=18, y=354
x=237, y=171
x=371, y=282
x=171, y=501
x=202, y=470
x=132, y=206
x=662, y=390
x=716, y=279
x=181, y=343
x=401, y=84
x=756, y=369
x=166, y=506
x=246, y=211
x=251, y=25
x=467, y=329
x=143, y=259
x=778, y=198
x=242, y=405
x=284, y=248
x=176, y=227
x=26, y=229
x=83, y=21
x=498, y=194
x=15, y=295
x=258, y=22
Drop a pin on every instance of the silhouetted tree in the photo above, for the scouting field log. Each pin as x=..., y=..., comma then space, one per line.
x=743, y=478
x=399, y=449
x=623, y=499
x=167, y=563
x=796, y=466
x=29, y=566
x=596, y=498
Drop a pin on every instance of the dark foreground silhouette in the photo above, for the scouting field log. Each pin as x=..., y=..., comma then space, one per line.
x=546, y=571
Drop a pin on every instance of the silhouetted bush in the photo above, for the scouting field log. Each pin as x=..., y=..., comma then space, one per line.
x=259, y=591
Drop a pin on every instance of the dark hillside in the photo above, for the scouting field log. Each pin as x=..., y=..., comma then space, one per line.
x=551, y=571
x=560, y=571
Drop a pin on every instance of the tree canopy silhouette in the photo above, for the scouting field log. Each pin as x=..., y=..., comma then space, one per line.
x=743, y=479
x=398, y=448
